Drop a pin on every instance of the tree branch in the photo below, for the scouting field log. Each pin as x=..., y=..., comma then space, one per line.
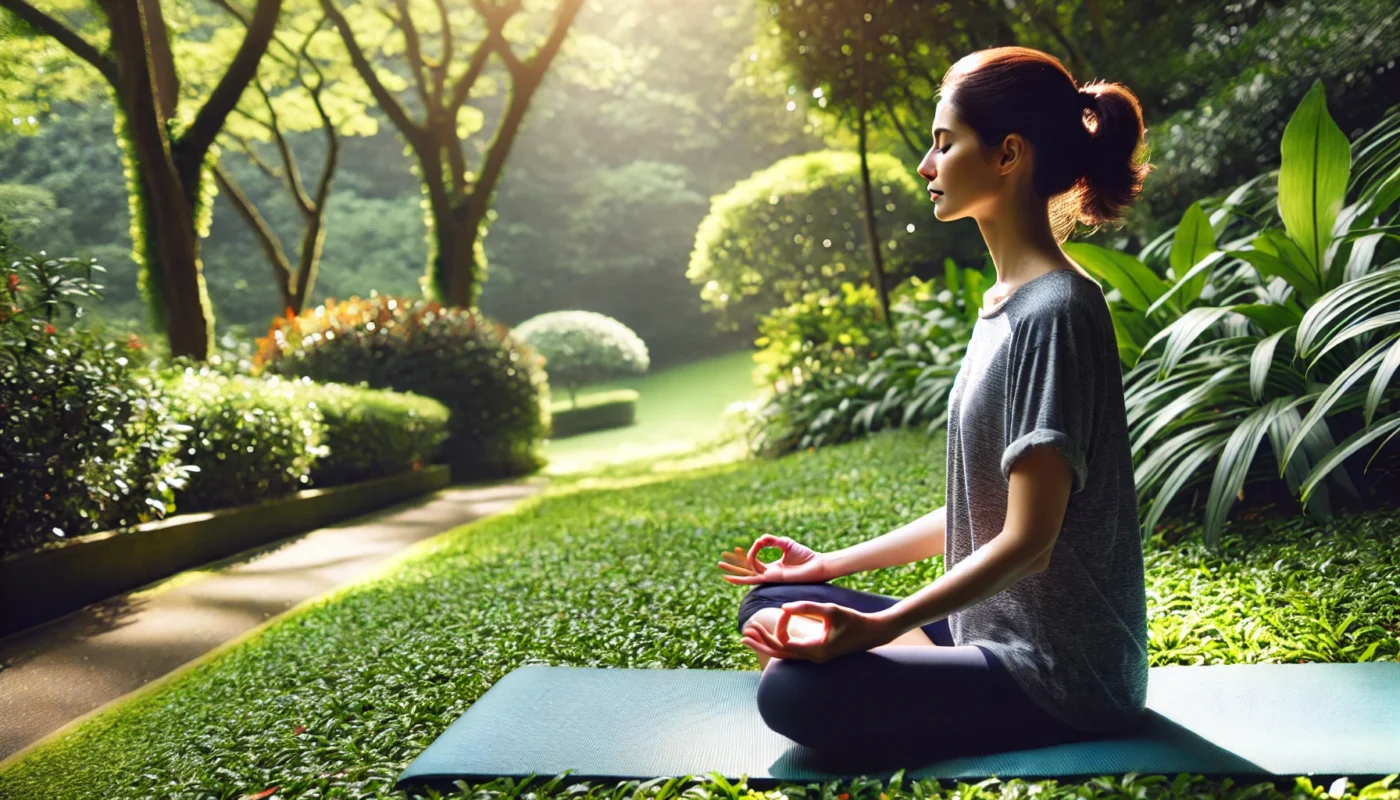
x=224, y=98
x=440, y=71
x=64, y=36
x=908, y=142
x=281, y=268
x=386, y=101
x=414, y=49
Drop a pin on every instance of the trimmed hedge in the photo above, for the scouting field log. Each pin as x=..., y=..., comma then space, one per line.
x=248, y=439
x=373, y=433
x=594, y=412
x=256, y=438
x=492, y=383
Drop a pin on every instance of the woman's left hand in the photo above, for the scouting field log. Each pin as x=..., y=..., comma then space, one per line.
x=844, y=630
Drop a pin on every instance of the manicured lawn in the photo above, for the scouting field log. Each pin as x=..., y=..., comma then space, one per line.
x=336, y=700
x=679, y=408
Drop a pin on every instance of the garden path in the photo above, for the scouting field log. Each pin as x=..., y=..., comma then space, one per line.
x=57, y=674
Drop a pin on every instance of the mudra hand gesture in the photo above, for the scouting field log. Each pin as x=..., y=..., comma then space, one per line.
x=798, y=564
x=842, y=630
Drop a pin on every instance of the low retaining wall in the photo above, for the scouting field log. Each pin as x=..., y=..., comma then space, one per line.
x=41, y=585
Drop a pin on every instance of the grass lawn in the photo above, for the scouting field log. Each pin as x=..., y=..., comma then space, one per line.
x=679, y=410
x=334, y=701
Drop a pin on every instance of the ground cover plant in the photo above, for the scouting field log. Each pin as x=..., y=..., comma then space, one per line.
x=340, y=696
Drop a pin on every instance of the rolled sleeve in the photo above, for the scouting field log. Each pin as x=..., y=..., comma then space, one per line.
x=1050, y=391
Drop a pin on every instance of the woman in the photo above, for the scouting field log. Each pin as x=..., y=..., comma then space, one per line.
x=1036, y=634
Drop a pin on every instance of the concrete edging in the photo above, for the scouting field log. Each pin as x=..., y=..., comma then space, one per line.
x=41, y=585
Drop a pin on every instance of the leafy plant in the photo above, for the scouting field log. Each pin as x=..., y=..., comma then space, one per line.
x=88, y=442
x=1235, y=319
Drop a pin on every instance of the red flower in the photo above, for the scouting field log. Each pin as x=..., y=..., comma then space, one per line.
x=49, y=329
x=134, y=342
x=14, y=281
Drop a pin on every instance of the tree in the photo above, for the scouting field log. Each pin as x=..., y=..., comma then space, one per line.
x=294, y=287
x=168, y=152
x=459, y=199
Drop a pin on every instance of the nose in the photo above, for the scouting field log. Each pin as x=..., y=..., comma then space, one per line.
x=926, y=168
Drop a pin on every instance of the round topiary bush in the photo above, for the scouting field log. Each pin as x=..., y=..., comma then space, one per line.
x=493, y=384
x=583, y=347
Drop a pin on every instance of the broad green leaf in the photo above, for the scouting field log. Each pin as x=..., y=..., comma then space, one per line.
x=1233, y=466
x=1259, y=363
x=1316, y=162
x=1269, y=316
x=1175, y=292
x=1384, y=373
x=1182, y=333
x=1194, y=241
x=1138, y=284
x=1350, y=445
x=1336, y=389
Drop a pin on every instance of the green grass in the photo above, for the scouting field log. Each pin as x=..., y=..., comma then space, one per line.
x=679, y=410
x=337, y=699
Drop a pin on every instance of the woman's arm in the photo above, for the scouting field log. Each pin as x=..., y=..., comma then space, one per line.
x=920, y=539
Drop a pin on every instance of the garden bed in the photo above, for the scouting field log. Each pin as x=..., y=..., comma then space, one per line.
x=46, y=583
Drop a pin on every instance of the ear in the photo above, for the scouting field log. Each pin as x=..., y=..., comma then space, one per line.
x=1013, y=152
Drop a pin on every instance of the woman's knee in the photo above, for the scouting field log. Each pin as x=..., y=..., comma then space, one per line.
x=786, y=702
x=758, y=598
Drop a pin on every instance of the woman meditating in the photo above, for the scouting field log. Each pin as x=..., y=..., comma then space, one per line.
x=1036, y=634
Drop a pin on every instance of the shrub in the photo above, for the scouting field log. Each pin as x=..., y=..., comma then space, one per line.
x=583, y=347
x=88, y=444
x=852, y=393
x=372, y=433
x=798, y=227
x=249, y=438
x=1288, y=313
x=492, y=384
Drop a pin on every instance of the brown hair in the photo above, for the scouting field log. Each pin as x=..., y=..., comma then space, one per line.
x=1089, y=142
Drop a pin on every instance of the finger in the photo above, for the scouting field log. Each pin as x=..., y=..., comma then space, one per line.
x=763, y=541
x=758, y=647
x=743, y=580
x=782, y=649
x=734, y=569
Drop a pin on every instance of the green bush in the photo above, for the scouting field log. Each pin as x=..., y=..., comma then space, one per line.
x=583, y=347
x=493, y=385
x=1247, y=361
x=88, y=444
x=855, y=381
x=372, y=433
x=798, y=227
x=249, y=438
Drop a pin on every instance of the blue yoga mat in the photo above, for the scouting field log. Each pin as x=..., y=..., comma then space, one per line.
x=1248, y=721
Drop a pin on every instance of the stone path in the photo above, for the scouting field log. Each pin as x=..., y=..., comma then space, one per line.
x=56, y=673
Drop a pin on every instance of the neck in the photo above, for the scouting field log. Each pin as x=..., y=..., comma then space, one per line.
x=1020, y=240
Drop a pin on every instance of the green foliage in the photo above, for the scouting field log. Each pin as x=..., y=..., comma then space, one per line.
x=583, y=347
x=493, y=385
x=1240, y=83
x=822, y=332
x=338, y=697
x=841, y=388
x=372, y=433
x=30, y=216
x=797, y=227
x=88, y=444
x=1278, y=318
x=248, y=438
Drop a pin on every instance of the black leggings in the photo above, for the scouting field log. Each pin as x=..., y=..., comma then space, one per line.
x=904, y=704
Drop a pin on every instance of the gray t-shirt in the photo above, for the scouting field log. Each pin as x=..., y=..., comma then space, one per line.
x=1042, y=368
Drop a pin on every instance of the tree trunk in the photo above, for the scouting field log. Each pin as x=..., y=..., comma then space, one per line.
x=168, y=220
x=877, y=275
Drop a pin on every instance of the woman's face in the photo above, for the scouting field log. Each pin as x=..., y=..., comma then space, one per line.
x=963, y=177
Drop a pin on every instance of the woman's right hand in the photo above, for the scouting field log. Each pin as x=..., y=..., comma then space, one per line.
x=799, y=563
